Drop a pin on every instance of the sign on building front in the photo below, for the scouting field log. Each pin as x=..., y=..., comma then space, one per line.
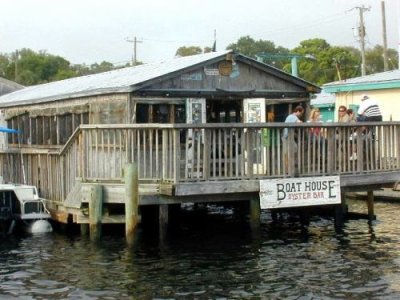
x=296, y=192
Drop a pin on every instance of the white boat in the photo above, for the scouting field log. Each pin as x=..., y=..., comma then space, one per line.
x=21, y=203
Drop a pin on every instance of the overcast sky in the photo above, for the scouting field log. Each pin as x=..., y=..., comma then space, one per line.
x=89, y=31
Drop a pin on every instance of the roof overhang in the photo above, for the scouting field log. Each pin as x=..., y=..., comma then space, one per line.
x=220, y=93
x=365, y=86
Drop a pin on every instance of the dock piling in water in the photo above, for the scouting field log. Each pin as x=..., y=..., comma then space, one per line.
x=131, y=200
x=95, y=211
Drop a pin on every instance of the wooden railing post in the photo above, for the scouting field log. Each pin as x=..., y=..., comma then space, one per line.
x=82, y=153
x=206, y=154
x=177, y=156
x=331, y=156
x=361, y=145
x=164, y=152
x=292, y=149
x=250, y=152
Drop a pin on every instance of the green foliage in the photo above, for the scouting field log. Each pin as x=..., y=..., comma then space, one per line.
x=318, y=61
x=187, y=51
x=329, y=63
x=374, y=59
x=28, y=67
x=250, y=47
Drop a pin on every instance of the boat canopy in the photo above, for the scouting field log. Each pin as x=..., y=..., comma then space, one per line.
x=8, y=130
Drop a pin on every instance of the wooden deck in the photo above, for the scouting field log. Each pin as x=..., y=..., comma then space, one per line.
x=180, y=163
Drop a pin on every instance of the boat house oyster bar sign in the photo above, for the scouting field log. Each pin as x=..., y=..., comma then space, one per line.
x=296, y=192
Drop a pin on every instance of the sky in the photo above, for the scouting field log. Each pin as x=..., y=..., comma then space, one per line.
x=92, y=31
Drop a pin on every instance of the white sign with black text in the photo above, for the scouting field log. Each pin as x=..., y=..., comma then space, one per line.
x=296, y=192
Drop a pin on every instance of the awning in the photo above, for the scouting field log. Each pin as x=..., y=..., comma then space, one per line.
x=8, y=130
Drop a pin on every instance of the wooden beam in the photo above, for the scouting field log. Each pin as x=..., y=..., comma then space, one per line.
x=131, y=201
x=95, y=212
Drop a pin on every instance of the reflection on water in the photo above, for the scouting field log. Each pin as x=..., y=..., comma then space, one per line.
x=212, y=257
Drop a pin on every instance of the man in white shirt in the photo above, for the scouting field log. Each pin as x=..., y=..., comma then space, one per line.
x=369, y=110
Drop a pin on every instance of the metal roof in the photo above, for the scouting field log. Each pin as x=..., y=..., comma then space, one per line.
x=8, y=86
x=384, y=80
x=323, y=98
x=120, y=80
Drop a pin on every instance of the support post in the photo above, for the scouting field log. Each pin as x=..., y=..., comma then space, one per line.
x=339, y=212
x=370, y=205
x=163, y=220
x=95, y=211
x=84, y=229
x=255, y=213
x=131, y=200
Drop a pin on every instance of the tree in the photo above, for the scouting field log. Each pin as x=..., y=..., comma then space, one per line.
x=250, y=47
x=4, y=62
x=328, y=63
x=187, y=51
x=29, y=67
x=374, y=59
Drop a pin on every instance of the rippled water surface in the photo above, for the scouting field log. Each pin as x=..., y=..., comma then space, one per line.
x=212, y=256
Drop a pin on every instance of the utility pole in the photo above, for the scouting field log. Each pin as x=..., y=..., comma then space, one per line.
x=385, y=56
x=134, y=41
x=361, y=33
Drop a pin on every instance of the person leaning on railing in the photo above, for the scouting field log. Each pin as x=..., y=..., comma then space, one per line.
x=315, y=117
x=343, y=116
x=294, y=117
x=369, y=110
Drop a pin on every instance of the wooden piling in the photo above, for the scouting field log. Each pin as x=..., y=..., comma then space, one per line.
x=370, y=205
x=339, y=212
x=84, y=229
x=255, y=214
x=163, y=219
x=95, y=211
x=131, y=200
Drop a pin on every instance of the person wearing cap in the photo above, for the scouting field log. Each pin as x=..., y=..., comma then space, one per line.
x=369, y=110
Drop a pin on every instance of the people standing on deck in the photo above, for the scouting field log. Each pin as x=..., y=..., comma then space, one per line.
x=343, y=116
x=294, y=117
x=315, y=117
x=352, y=115
x=369, y=110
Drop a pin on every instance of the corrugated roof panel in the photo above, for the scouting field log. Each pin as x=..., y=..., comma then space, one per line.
x=119, y=80
x=393, y=75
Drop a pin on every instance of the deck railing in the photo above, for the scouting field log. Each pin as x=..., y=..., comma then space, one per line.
x=184, y=153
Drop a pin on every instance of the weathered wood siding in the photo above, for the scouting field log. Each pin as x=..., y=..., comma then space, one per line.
x=51, y=124
x=212, y=153
x=244, y=78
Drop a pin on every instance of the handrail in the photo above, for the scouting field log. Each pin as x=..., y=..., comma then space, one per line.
x=202, y=152
x=236, y=125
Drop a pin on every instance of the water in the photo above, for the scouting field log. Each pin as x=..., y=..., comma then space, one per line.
x=212, y=256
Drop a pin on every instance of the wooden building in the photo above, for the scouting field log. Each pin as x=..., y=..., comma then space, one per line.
x=204, y=128
x=384, y=87
x=207, y=88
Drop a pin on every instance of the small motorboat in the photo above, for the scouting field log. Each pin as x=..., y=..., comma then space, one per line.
x=21, y=204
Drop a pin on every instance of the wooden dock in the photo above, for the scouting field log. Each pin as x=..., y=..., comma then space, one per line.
x=182, y=163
